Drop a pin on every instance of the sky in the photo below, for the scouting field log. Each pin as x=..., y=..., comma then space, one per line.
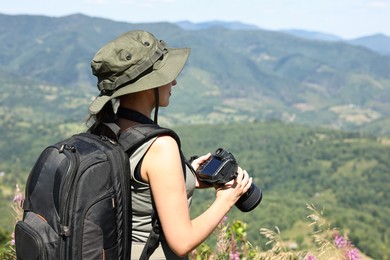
x=348, y=19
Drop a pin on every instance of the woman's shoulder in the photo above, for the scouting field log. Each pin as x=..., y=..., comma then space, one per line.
x=165, y=141
x=163, y=156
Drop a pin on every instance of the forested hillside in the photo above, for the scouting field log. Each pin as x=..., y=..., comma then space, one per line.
x=344, y=173
x=232, y=75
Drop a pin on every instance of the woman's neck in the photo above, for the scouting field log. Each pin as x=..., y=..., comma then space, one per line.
x=139, y=101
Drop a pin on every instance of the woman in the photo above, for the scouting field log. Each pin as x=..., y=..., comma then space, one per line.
x=139, y=71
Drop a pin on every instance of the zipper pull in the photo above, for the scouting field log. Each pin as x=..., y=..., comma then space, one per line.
x=105, y=138
x=64, y=231
x=71, y=148
x=113, y=202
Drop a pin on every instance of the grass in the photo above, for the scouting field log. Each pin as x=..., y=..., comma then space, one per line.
x=316, y=240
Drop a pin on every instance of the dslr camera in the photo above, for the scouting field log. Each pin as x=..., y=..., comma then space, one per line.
x=221, y=168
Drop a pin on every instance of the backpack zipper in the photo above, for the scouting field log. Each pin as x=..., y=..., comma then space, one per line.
x=125, y=184
x=65, y=195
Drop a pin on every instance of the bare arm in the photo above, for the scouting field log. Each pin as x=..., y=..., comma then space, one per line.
x=162, y=169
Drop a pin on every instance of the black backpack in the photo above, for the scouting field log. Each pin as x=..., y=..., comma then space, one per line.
x=78, y=200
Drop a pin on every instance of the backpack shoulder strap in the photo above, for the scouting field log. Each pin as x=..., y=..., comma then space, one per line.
x=130, y=140
x=133, y=137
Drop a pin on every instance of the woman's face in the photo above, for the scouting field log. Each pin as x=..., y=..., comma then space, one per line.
x=165, y=93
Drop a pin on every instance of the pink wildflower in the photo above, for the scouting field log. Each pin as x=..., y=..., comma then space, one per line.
x=18, y=196
x=234, y=255
x=340, y=241
x=223, y=220
x=310, y=257
x=13, y=239
x=353, y=254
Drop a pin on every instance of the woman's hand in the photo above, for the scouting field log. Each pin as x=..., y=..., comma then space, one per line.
x=195, y=165
x=198, y=161
x=234, y=189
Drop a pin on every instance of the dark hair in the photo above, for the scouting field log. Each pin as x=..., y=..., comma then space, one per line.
x=105, y=115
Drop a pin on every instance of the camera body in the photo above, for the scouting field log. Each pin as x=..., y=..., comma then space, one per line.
x=221, y=168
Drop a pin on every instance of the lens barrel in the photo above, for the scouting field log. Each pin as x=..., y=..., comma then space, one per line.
x=249, y=200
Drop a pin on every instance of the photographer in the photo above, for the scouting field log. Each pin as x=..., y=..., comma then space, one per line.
x=137, y=71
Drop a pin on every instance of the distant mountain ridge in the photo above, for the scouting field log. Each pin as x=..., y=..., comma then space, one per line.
x=377, y=42
x=232, y=75
x=311, y=35
x=187, y=25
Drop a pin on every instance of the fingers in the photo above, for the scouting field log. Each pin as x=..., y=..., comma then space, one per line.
x=243, y=180
x=233, y=190
x=198, y=161
x=248, y=185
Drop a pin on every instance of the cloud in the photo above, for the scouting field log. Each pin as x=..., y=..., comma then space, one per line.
x=129, y=2
x=377, y=4
x=146, y=2
x=97, y=2
x=126, y=3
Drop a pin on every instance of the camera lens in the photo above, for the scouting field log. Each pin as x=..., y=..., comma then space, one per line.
x=250, y=199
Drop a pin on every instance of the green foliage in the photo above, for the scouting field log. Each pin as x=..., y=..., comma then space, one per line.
x=4, y=237
x=346, y=172
x=7, y=242
x=6, y=252
x=231, y=243
x=325, y=242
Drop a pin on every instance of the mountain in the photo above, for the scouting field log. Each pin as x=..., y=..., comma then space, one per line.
x=256, y=74
x=312, y=35
x=377, y=42
x=232, y=75
x=187, y=25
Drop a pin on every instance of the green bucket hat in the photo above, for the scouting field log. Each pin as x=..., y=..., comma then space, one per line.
x=133, y=62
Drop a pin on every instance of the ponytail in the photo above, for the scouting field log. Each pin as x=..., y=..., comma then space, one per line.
x=105, y=115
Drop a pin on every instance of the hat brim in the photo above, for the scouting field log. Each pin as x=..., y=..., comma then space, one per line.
x=172, y=64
